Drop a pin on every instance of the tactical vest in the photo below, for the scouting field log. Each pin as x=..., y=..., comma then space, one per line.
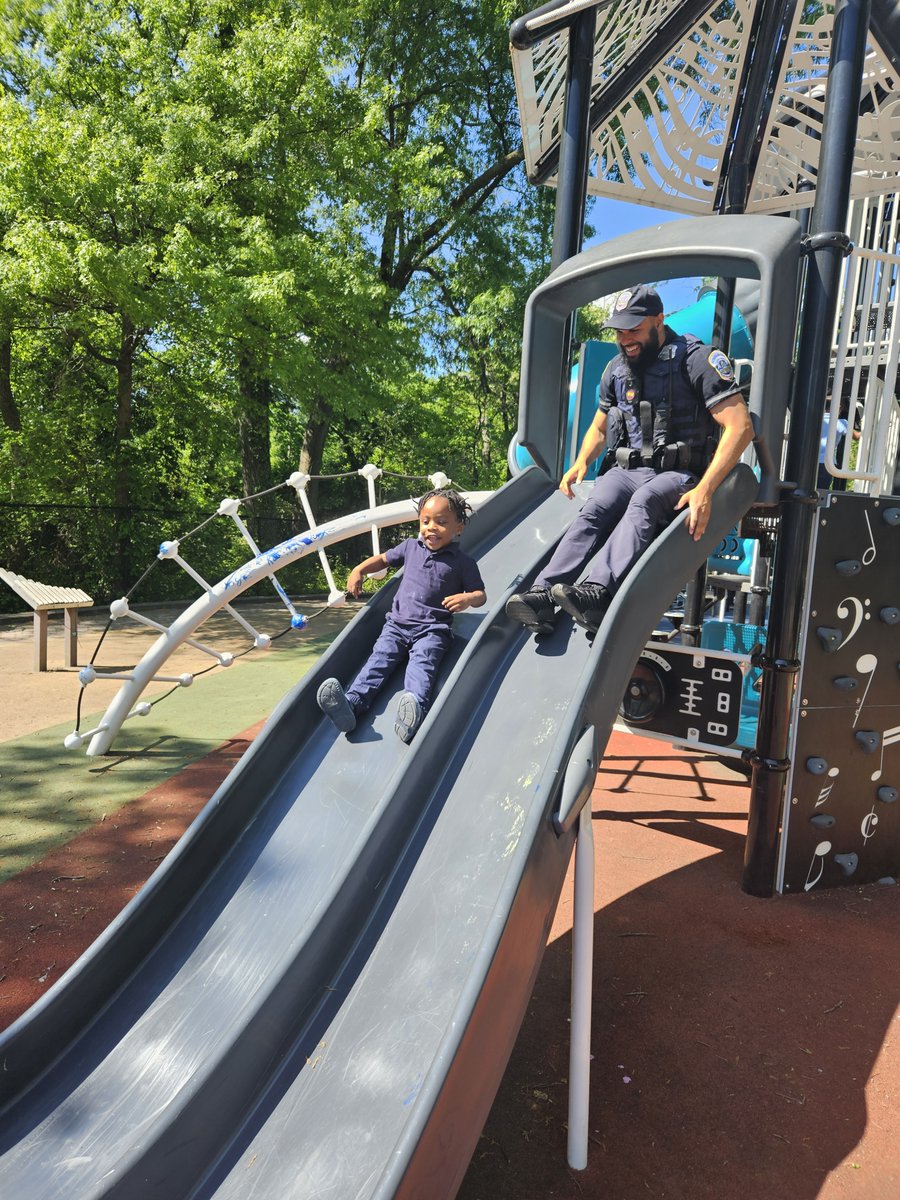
x=662, y=449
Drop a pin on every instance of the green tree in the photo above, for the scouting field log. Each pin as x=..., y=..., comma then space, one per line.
x=250, y=233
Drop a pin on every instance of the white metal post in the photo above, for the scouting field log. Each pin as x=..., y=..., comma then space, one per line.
x=582, y=992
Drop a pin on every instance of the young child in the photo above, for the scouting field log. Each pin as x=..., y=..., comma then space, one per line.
x=438, y=581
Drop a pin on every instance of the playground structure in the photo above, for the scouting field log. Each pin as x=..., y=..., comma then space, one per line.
x=734, y=111
x=319, y=989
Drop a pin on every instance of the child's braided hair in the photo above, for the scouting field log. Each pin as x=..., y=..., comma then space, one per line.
x=460, y=508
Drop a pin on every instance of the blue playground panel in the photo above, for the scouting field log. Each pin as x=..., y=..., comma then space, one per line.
x=585, y=376
x=733, y=555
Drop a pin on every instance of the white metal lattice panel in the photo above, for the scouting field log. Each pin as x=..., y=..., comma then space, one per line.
x=665, y=145
x=788, y=167
x=867, y=350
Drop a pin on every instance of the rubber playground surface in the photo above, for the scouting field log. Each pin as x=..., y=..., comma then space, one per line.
x=743, y=1048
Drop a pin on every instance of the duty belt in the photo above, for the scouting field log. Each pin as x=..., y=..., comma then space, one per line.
x=677, y=456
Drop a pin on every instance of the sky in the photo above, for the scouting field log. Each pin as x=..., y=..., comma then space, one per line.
x=613, y=217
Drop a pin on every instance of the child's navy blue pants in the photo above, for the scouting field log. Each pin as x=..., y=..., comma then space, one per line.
x=424, y=650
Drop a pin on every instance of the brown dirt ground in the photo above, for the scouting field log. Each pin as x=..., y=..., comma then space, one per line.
x=743, y=1048
x=52, y=911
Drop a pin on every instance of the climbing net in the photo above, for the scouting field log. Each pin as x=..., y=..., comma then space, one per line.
x=216, y=597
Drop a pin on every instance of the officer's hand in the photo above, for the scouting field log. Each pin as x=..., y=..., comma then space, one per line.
x=575, y=474
x=354, y=582
x=699, y=502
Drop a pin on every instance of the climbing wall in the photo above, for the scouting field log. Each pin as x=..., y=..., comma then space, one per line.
x=842, y=818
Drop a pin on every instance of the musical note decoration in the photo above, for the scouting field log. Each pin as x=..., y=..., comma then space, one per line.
x=818, y=861
x=890, y=737
x=869, y=555
x=866, y=664
x=842, y=822
x=868, y=825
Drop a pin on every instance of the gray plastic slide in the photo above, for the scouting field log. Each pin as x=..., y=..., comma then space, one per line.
x=317, y=993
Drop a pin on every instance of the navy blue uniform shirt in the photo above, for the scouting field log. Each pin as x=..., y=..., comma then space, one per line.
x=428, y=578
x=700, y=376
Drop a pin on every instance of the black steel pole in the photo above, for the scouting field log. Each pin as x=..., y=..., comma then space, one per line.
x=820, y=299
x=571, y=183
x=691, y=626
x=575, y=142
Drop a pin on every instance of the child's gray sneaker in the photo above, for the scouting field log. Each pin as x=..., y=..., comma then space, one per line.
x=335, y=705
x=409, y=717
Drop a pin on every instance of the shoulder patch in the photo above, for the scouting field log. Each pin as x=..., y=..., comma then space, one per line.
x=721, y=364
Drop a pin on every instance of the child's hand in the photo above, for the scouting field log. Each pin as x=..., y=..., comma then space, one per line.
x=457, y=603
x=355, y=582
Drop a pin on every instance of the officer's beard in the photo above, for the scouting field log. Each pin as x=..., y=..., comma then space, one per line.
x=649, y=353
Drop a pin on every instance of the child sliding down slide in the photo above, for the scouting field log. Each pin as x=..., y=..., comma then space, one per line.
x=439, y=579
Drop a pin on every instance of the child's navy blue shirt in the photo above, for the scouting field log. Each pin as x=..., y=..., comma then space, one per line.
x=428, y=578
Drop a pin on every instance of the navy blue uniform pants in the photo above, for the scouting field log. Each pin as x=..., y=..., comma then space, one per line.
x=622, y=515
x=424, y=650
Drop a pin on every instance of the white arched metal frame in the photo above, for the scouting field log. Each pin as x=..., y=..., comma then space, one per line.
x=219, y=596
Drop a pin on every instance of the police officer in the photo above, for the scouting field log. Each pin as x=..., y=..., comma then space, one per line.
x=662, y=402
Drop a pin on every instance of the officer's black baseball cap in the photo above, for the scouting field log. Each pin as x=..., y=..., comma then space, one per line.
x=632, y=306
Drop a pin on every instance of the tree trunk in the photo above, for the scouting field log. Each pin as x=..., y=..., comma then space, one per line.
x=124, y=393
x=8, y=408
x=312, y=449
x=254, y=437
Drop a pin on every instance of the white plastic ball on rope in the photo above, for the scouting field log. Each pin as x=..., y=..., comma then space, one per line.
x=185, y=680
x=118, y=608
x=73, y=741
x=226, y=659
x=370, y=471
x=228, y=507
x=336, y=599
x=142, y=709
x=298, y=480
x=86, y=675
x=168, y=550
x=262, y=641
x=439, y=480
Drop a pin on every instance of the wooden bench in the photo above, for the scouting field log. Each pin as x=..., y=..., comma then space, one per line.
x=44, y=600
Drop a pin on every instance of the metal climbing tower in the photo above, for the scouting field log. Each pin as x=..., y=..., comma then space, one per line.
x=740, y=108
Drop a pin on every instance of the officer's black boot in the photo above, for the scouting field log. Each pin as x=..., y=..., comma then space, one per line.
x=587, y=603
